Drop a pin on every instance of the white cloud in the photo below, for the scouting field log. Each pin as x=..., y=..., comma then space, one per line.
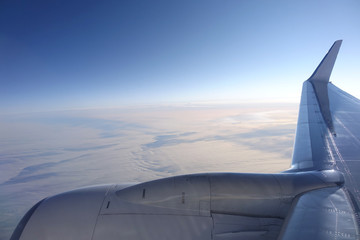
x=50, y=153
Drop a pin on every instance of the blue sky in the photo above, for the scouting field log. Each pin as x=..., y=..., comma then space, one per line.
x=88, y=54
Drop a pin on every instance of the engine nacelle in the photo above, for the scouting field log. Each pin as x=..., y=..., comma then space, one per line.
x=199, y=206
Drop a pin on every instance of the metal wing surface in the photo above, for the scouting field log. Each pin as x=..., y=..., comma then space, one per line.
x=327, y=138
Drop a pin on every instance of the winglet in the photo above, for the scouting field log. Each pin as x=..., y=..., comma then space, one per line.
x=323, y=71
x=320, y=78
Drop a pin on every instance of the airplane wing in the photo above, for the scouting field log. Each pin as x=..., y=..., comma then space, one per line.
x=328, y=130
x=317, y=198
x=327, y=138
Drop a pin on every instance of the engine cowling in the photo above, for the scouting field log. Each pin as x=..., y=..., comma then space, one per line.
x=200, y=206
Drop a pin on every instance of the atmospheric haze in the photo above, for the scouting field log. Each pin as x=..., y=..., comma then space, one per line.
x=61, y=55
x=47, y=153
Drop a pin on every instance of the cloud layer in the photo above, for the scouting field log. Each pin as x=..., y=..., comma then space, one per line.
x=48, y=153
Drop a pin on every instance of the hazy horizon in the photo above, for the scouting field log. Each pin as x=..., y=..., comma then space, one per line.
x=43, y=154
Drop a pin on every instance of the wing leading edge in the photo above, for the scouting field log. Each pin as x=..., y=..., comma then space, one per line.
x=315, y=122
x=328, y=129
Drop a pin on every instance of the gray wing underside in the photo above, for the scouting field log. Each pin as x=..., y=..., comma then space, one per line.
x=327, y=138
x=321, y=214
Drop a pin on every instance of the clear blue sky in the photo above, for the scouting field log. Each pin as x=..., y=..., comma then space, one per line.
x=80, y=54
